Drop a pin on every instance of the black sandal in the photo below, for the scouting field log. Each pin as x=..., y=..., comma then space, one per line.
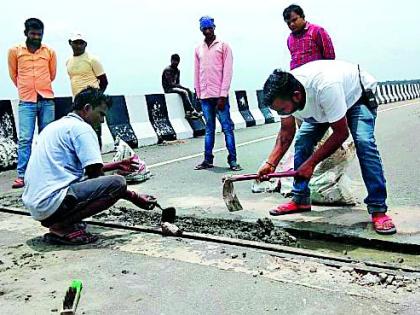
x=235, y=167
x=204, y=165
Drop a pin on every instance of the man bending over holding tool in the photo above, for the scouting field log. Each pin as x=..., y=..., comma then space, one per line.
x=65, y=181
x=323, y=94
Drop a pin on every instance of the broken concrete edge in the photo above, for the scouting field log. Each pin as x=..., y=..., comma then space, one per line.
x=302, y=230
x=407, y=248
x=274, y=249
x=390, y=244
x=339, y=234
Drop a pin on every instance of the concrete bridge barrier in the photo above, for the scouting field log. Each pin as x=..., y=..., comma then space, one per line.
x=143, y=120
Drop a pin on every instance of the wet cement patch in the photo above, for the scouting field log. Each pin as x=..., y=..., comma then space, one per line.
x=12, y=199
x=262, y=230
x=298, y=233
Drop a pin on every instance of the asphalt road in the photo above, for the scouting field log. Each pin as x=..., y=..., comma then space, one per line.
x=138, y=274
x=176, y=181
x=135, y=273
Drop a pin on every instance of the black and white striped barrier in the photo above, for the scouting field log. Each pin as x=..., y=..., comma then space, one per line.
x=380, y=98
x=143, y=120
x=158, y=115
x=269, y=114
x=242, y=101
x=8, y=136
x=237, y=118
x=395, y=92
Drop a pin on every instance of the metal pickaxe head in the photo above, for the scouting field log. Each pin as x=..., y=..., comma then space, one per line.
x=229, y=195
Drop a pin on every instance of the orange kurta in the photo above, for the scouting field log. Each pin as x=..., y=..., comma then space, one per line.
x=32, y=73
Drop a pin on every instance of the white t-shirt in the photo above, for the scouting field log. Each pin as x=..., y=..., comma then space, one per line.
x=64, y=148
x=331, y=87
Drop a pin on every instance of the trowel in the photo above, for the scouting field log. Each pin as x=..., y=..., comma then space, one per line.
x=168, y=214
x=229, y=195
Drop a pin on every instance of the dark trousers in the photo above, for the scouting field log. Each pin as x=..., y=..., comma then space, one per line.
x=87, y=198
x=186, y=96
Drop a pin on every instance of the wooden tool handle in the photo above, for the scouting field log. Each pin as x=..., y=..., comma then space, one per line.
x=240, y=178
x=282, y=174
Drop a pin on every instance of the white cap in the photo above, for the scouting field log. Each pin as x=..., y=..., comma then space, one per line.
x=77, y=36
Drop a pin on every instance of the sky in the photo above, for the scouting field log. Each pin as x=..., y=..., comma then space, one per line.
x=134, y=39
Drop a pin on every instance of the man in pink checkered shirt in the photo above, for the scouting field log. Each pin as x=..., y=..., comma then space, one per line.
x=307, y=42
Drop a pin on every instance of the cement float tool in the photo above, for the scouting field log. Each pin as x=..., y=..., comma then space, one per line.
x=229, y=195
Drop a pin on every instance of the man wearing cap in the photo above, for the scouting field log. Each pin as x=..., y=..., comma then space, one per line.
x=84, y=70
x=213, y=75
x=32, y=68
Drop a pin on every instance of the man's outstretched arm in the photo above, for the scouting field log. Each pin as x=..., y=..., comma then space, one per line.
x=283, y=142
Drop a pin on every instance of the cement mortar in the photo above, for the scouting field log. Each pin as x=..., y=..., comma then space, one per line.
x=263, y=230
x=12, y=200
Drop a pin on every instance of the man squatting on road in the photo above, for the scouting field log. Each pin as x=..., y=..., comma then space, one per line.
x=65, y=181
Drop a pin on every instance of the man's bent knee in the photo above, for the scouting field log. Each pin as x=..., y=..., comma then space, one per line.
x=365, y=143
x=118, y=185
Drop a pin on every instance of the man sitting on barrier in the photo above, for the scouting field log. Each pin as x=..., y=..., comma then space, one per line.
x=170, y=83
x=323, y=94
x=65, y=180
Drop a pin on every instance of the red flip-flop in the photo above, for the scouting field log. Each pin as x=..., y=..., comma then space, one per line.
x=18, y=183
x=79, y=237
x=289, y=208
x=383, y=224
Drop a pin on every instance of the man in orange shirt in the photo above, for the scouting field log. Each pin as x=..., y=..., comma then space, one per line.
x=32, y=68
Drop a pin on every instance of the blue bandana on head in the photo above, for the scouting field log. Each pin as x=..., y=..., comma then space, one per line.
x=206, y=22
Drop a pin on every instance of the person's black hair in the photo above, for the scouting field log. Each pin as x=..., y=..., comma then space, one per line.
x=175, y=57
x=92, y=96
x=280, y=84
x=34, y=23
x=293, y=8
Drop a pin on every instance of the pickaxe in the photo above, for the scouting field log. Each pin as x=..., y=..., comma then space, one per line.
x=229, y=195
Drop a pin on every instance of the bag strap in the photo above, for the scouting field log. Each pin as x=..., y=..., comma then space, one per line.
x=360, y=79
